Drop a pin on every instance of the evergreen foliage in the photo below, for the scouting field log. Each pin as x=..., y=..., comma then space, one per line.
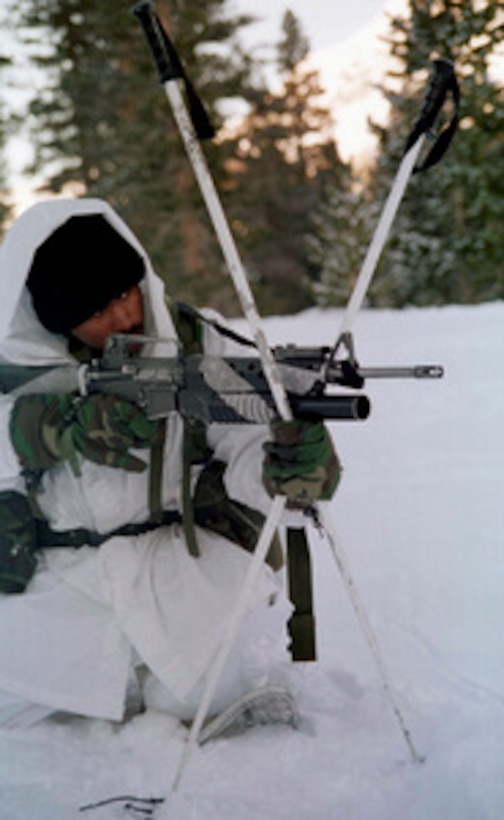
x=5, y=204
x=284, y=161
x=5, y=208
x=102, y=126
x=448, y=243
x=336, y=244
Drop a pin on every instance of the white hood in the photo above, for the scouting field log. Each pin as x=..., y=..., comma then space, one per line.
x=23, y=339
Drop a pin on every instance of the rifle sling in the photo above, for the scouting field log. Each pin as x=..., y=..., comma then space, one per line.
x=228, y=517
x=187, y=504
x=80, y=536
x=156, y=473
x=301, y=625
x=236, y=522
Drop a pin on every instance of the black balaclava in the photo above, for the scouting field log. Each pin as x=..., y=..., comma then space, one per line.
x=79, y=270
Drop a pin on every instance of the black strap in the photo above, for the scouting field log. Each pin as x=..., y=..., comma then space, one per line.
x=187, y=504
x=302, y=622
x=214, y=510
x=187, y=322
x=156, y=473
x=186, y=316
x=80, y=536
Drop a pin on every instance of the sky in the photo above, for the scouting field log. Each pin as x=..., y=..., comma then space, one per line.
x=346, y=48
x=325, y=23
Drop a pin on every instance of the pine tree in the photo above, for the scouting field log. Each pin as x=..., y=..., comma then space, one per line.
x=448, y=244
x=103, y=128
x=338, y=241
x=5, y=207
x=5, y=201
x=285, y=158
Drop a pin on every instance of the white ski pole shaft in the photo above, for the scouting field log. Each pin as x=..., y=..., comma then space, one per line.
x=228, y=246
x=171, y=74
x=380, y=236
x=442, y=81
x=367, y=629
x=232, y=628
x=158, y=43
x=277, y=389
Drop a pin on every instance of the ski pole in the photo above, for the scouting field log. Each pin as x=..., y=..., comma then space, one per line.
x=230, y=633
x=367, y=629
x=442, y=82
x=171, y=71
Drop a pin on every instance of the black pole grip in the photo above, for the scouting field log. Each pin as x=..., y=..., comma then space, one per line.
x=439, y=86
x=170, y=67
x=442, y=83
x=165, y=58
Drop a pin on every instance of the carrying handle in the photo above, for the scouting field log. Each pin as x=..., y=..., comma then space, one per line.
x=170, y=68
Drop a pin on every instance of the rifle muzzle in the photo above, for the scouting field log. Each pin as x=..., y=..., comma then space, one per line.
x=320, y=408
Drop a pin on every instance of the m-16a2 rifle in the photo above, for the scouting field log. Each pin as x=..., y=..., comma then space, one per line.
x=154, y=374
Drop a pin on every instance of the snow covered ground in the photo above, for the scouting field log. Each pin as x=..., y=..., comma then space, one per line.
x=421, y=516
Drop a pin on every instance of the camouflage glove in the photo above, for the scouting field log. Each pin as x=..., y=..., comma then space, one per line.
x=106, y=428
x=18, y=542
x=301, y=463
x=49, y=428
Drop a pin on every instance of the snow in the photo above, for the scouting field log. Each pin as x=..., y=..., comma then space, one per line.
x=421, y=519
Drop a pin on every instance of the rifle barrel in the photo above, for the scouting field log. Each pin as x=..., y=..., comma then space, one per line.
x=419, y=371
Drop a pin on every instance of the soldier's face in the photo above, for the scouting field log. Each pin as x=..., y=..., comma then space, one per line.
x=122, y=315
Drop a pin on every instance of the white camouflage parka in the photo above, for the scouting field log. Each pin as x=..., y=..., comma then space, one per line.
x=90, y=615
